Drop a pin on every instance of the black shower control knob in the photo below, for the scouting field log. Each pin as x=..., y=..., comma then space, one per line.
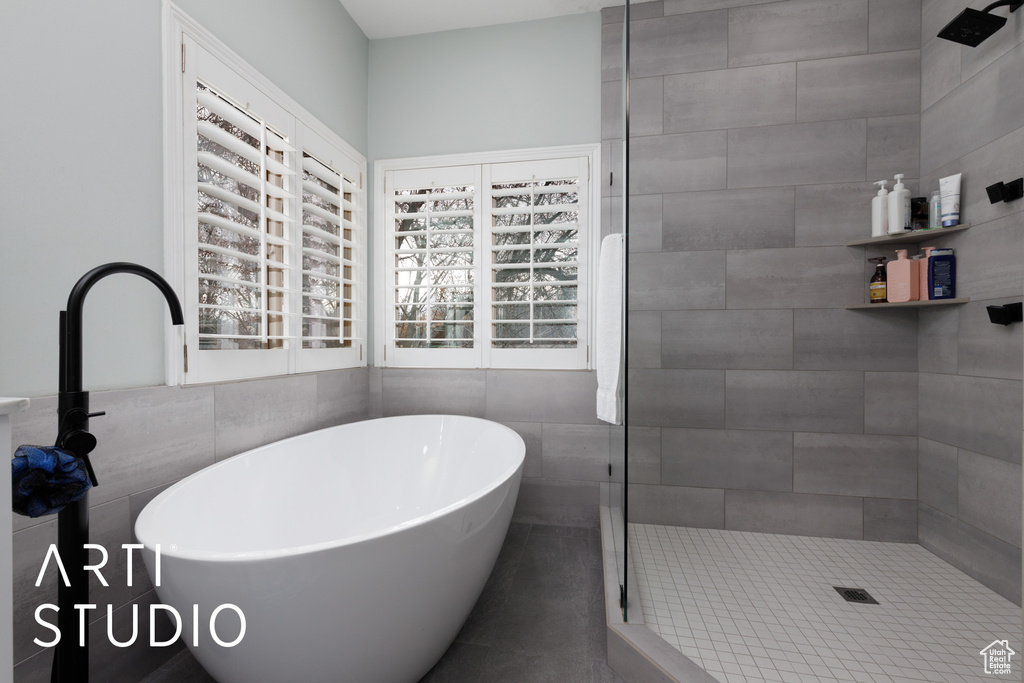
x=79, y=442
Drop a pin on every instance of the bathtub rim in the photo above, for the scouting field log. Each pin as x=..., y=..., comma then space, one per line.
x=172, y=551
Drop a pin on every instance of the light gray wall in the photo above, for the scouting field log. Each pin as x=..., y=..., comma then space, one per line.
x=757, y=402
x=970, y=370
x=81, y=183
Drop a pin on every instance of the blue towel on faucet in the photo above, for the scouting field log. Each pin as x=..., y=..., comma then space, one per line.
x=45, y=479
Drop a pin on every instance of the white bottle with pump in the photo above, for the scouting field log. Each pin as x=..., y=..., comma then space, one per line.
x=880, y=211
x=899, y=207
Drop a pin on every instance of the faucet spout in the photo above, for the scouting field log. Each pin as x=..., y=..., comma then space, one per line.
x=71, y=376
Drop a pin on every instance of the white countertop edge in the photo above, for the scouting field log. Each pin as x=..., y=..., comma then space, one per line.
x=9, y=406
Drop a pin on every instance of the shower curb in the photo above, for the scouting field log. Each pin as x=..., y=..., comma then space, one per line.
x=635, y=652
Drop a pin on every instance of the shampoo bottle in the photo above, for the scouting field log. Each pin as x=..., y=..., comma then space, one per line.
x=942, y=274
x=899, y=207
x=902, y=278
x=876, y=286
x=923, y=273
x=880, y=211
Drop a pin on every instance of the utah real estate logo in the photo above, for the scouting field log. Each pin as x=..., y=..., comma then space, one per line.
x=997, y=657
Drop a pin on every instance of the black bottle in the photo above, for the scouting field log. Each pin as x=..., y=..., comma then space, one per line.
x=876, y=287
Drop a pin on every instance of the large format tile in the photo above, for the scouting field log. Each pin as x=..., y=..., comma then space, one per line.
x=727, y=459
x=890, y=403
x=937, y=472
x=576, y=452
x=794, y=513
x=417, y=391
x=798, y=154
x=807, y=277
x=729, y=339
x=807, y=401
x=940, y=70
x=687, y=6
x=677, y=398
x=258, y=412
x=677, y=506
x=646, y=107
x=677, y=280
x=644, y=454
x=645, y=222
x=532, y=435
x=894, y=146
x=730, y=98
x=989, y=495
x=988, y=263
x=894, y=521
x=838, y=339
x=573, y=503
x=894, y=25
x=644, y=339
x=342, y=396
x=977, y=414
x=974, y=60
x=797, y=30
x=855, y=465
x=985, y=349
x=678, y=44
x=683, y=162
x=832, y=215
x=728, y=219
x=937, y=340
x=563, y=396
x=886, y=84
x=992, y=562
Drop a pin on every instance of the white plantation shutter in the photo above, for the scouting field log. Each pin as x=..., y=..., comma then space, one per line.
x=273, y=233
x=487, y=265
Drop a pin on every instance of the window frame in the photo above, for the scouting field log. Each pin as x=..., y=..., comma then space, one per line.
x=183, y=39
x=482, y=355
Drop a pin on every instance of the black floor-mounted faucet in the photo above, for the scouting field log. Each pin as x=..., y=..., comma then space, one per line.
x=71, y=661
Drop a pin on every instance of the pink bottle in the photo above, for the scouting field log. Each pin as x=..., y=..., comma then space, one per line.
x=923, y=265
x=902, y=278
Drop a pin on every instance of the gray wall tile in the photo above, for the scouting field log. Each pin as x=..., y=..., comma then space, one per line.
x=992, y=562
x=838, y=339
x=803, y=514
x=532, y=434
x=728, y=459
x=937, y=475
x=645, y=223
x=562, y=503
x=677, y=398
x=937, y=340
x=1005, y=39
x=747, y=340
x=937, y=13
x=779, y=32
x=956, y=125
x=563, y=396
x=646, y=106
x=611, y=110
x=258, y=412
x=687, y=6
x=977, y=414
x=417, y=391
x=828, y=215
x=855, y=465
x=798, y=154
x=683, y=162
x=644, y=454
x=985, y=349
x=676, y=280
x=375, y=379
x=988, y=263
x=677, y=506
x=940, y=70
x=795, y=400
x=678, y=44
x=893, y=521
x=611, y=52
x=729, y=219
x=890, y=403
x=644, y=339
x=886, y=84
x=894, y=25
x=730, y=98
x=151, y=436
x=576, y=452
x=807, y=277
x=894, y=146
x=342, y=396
x=989, y=495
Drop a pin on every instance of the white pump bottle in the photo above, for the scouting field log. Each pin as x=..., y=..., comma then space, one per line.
x=899, y=207
x=880, y=211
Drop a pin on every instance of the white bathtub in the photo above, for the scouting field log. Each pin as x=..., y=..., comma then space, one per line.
x=355, y=553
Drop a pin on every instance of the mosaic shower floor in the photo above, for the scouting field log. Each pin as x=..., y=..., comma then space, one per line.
x=751, y=606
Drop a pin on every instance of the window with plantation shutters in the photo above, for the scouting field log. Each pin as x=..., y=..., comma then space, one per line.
x=487, y=264
x=271, y=228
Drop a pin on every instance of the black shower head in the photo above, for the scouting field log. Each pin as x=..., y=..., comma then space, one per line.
x=971, y=27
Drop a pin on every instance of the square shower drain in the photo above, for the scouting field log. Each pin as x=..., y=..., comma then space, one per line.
x=856, y=595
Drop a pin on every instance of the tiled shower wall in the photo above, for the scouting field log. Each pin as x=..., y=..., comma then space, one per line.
x=972, y=122
x=757, y=402
x=150, y=438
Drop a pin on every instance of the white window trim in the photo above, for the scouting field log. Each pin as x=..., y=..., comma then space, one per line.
x=592, y=152
x=176, y=26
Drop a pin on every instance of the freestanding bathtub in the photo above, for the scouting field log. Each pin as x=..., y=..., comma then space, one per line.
x=355, y=553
